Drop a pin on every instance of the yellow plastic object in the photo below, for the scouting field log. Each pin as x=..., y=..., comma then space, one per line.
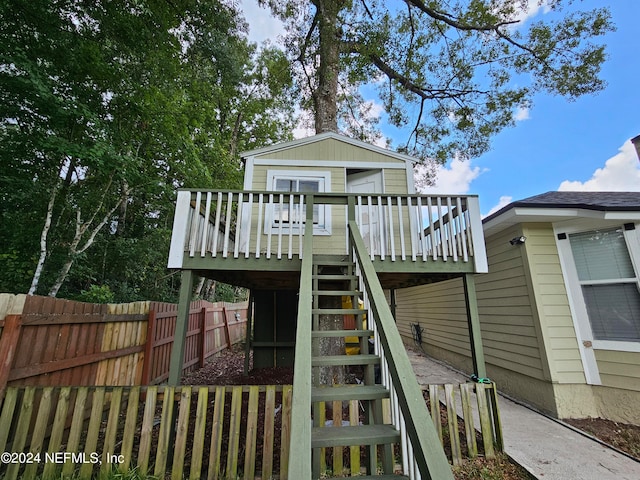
x=352, y=344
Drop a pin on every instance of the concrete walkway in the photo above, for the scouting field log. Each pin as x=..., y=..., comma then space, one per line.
x=545, y=448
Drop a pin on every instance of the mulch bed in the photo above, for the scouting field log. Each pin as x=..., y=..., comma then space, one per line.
x=622, y=436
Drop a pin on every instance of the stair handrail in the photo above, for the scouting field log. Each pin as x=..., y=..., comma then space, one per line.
x=299, y=466
x=426, y=447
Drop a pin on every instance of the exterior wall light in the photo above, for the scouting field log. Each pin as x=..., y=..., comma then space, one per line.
x=518, y=240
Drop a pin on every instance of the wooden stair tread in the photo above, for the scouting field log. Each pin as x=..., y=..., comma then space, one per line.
x=354, y=435
x=333, y=360
x=339, y=311
x=333, y=276
x=391, y=476
x=349, y=392
x=329, y=293
x=341, y=333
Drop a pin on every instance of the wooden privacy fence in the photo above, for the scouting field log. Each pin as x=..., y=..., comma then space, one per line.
x=47, y=341
x=212, y=327
x=200, y=432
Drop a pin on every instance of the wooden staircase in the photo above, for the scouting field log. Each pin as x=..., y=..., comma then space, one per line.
x=334, y=278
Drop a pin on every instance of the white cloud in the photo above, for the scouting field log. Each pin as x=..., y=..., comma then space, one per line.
x=532, y=8
x=262, y=24
x=522, y=113
x=503, y=202
x=454, y=178
x=620, y=173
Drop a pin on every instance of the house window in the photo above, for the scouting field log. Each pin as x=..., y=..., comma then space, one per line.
x=289, y=216
x=609, y=284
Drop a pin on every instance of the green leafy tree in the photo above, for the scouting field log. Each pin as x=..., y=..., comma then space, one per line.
x=452, y=73
x=107, y=108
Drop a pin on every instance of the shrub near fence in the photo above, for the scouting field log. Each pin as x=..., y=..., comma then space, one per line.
x=49, y=342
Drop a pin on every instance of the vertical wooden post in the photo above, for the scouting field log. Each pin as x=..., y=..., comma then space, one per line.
x=247, y=344
x=473, y=320
x=203, y=333
x=182, y=323
x=148, y=348
x=8, y=345
x=227, y=333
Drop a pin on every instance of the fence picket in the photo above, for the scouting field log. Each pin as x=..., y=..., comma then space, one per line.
x=269, y=422
x=146, y=429
x=217, y=424
x=199, y=434
x=485, y=420
x=166, y=429
x=452, y=420
x=181, y=430
x=234, y=432
x=39, y=430
x=112, y=429
x=287, y=392
x=6, y=418
x=469, y=430
x=251, y=433
x=77, y=422
x=128, y=434
x=95, y=421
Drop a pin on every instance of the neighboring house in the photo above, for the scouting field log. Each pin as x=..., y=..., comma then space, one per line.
x=322, y=220
x=559, y=309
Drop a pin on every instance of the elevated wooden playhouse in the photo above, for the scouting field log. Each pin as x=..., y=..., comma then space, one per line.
x=323, y=224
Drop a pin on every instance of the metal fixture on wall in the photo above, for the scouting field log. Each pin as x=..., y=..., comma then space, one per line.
x=518, y=240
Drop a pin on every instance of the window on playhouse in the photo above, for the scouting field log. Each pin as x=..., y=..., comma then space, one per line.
x=290, y=215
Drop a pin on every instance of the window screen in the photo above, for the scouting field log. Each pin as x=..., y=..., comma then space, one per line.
x=609, y=284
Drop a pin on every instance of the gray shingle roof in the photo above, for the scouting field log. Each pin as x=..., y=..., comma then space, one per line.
x=601, y=201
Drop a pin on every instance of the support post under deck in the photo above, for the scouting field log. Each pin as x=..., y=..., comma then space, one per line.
x=182, y=324
x=473, y=319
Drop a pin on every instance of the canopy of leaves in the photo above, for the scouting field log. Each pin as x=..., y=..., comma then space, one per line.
x=106, y=108
x=451, y=73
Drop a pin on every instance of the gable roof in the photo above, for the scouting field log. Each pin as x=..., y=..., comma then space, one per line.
x=552, y=206
x=324, y=136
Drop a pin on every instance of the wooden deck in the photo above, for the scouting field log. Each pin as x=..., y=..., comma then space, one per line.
x=255, y=239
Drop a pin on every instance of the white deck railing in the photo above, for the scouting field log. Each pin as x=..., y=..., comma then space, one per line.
x=233, y=224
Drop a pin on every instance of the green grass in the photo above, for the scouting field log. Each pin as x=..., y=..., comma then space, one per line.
x=114, y=474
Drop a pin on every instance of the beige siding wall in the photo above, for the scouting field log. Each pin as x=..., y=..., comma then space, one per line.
x=507, y=317
x=619, y=369
x=440, y=311
x=395, y=181
x=552, y=303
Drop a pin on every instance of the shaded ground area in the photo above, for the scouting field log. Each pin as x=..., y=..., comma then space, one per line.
x=228, y=369
x=620, y=435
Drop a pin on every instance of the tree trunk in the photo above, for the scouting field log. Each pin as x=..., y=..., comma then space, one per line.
x=325, y=97
x=43, y=239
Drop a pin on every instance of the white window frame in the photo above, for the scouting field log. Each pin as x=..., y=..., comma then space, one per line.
x=574, y=286
x=324, y=179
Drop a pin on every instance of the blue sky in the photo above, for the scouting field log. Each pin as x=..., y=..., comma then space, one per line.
x=557, y=144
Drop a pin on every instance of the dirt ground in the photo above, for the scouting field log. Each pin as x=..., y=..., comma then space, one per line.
x=620, y=435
